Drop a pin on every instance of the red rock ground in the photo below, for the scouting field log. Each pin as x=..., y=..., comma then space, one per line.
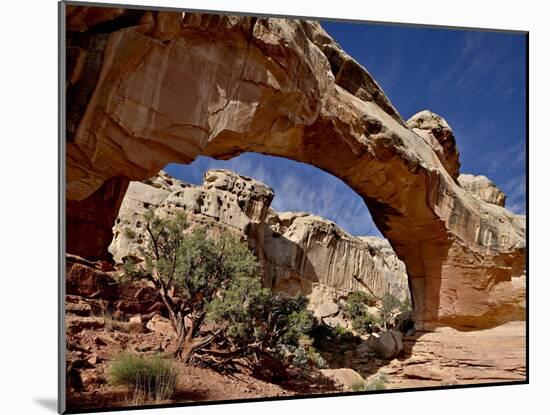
x=104, y=317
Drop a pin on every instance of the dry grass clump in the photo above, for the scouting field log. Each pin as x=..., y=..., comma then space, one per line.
x=152, y=378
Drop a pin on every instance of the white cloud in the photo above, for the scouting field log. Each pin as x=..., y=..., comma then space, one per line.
x=510, y=158
x=516, y=196
x=297, y=187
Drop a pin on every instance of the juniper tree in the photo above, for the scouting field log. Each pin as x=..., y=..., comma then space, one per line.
x=218, y=279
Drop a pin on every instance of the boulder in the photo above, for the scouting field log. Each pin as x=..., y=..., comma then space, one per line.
x=364, y=350
x=82, y=306
x=86, y=281
x=136, y=319
x=106, y=341
x=93, y=359
x=79, y=309
x=128, y=307
x=161, y=326
x=133, y=327
x=327, y=310
x=91, y=379
x=343, y=378
x=386, y=345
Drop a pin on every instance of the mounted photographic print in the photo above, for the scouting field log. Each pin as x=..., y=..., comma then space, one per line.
x=269, y=207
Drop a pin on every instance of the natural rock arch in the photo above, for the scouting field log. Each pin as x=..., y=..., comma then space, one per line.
x=148, y=88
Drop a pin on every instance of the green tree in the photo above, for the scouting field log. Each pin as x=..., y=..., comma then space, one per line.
x=195, y=267
x=215, y=281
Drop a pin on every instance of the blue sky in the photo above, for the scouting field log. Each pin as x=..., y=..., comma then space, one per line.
x=475, y=80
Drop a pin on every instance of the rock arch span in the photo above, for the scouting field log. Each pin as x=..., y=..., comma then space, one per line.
x=148, y=88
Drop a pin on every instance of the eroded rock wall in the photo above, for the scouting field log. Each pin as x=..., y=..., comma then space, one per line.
x=299, y=252
x=483, y=188
x=304, y=251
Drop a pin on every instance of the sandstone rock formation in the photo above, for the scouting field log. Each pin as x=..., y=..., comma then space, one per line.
x=449, y=357
x=84, y=280
x=299, y=252
x=387, y=345
x=332, y=257
x=344, y=378
x=483, y=188
x=148, y=88
x=437, y=133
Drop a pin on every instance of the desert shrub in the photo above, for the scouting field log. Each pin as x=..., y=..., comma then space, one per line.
x=364, y=323
x=300, y=358
x=358, y=386
x=307, y=359
x=342, y=334
x=296, y=321
x=355, y=309
x=255, y=317
x=356, y=300
x=326, y=338
x=316, y=359
x=377, y=383
x=154, y=377
x=130, y=270
x=196, y=266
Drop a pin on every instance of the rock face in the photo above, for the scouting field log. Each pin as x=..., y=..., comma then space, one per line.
x=148, y=88
x=89, y=221
x=437, y=133
x=224, y=202
x=483, y=188
x=299, y=252
x=83, y=280
x=309, y=254
x=449, y=357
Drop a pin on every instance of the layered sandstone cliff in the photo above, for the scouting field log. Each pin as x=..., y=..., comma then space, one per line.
x=483, y=188
x=148, y=88
x=299, y=252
